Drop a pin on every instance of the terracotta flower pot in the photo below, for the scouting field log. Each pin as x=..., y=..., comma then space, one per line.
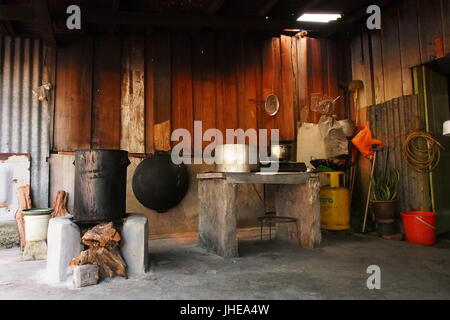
x=386, y=212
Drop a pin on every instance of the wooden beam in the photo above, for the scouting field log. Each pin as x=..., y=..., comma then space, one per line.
x=44, y=22
x=115, y=7
x=307, y=7
x=6, y=26
x=22, y=13
x=267, y=7
x=18, y=13
x=215, y=22
x=215, y=6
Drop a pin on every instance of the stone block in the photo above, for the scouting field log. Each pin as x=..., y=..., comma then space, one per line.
x=64, y=243
x=35, y=250
x=134, y=246
x=85, y=275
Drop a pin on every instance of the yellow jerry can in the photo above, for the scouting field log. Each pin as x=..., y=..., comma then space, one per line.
x=334, y=204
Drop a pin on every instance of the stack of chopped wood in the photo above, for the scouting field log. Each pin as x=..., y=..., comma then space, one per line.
x=103, y=242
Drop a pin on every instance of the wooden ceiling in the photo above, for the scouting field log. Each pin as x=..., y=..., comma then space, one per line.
x=46, y=18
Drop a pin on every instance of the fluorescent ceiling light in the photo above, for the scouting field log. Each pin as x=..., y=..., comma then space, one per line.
x=319, y=17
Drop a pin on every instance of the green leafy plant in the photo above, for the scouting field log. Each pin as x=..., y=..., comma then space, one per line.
x=384, y=186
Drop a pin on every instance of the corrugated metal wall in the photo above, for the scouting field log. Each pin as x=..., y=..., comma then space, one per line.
x=24, y=121
x=392, y=122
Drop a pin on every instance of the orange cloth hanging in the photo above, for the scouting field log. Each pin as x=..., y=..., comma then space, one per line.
x=365, y=143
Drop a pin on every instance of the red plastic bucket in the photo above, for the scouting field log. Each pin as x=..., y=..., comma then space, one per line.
x=420, y=227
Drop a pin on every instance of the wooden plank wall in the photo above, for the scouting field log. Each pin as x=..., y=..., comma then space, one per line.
x=413, y=33
x=392, y=122
x=132, y=92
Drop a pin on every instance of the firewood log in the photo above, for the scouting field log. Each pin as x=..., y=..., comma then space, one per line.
x=102, y=235
x=24, y=199
x=60, y=205
x=103, y=241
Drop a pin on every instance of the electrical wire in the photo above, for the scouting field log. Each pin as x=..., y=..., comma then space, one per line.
x=422, y=151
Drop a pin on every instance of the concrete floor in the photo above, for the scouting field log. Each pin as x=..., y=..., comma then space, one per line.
x=266, y=270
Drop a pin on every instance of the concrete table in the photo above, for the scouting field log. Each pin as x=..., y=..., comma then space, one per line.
x=297, y=196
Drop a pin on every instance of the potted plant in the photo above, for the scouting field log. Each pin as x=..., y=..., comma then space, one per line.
x=384, y=196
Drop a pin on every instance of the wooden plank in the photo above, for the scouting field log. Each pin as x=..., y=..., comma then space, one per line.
x=162, y=91
x=248, y=115
x=182, y=99
x=392, y=63
x=403, y=169
x=446, y=26
x=106, y=93
x=226, y=84
x=367, y=71
x=430, y=27
x=260, y=100
x=285, y=117
x=267, y=82
x=409, y=43
x=324, y=55
x=358, y=61
x=204, y=82
x=332, y=77
x=240, y=58
x=303, y=89
x=344, y=72
x=149, y=95
x=73, y=96
x=378, y=70
x=315, y=72
x=248, y=60
x=294, y=59
x=132, y=104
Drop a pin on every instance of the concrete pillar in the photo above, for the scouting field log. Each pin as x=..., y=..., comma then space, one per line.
x=134, y=246
x=217, y=222
x=64, y=243
x=302, y=202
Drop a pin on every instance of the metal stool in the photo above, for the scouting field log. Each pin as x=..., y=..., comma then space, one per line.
x=271, y=219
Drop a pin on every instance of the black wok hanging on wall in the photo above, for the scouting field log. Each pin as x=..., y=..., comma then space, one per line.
x=159, y=184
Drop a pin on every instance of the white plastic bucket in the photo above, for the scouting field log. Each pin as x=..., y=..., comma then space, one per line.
x=36, y=227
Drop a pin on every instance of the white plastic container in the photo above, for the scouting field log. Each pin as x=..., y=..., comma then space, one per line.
x=236, y=158
x=36, y=227
x=447, y=128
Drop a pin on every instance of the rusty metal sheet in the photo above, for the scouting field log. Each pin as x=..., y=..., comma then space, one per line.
x=24, y=121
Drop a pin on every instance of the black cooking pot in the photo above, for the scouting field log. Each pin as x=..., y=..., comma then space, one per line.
x=159, y=184
x=100, y=185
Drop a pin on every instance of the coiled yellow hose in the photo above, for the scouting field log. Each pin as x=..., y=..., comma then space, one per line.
x=422, y=151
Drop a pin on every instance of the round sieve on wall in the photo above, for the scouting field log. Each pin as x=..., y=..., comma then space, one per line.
x=272, y=105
